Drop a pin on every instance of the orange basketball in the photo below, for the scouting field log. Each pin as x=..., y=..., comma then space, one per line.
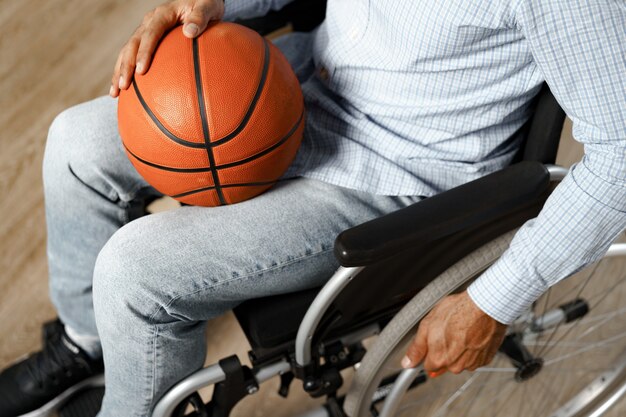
x=215, y=120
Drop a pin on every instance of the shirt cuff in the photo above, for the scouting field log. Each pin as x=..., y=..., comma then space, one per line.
x=503, y=293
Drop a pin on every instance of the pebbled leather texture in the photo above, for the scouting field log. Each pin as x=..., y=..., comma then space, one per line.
x=254, y=115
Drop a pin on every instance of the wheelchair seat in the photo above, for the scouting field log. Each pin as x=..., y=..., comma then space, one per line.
x=258, y=318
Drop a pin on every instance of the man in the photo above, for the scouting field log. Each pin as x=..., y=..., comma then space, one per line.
x=404, y=100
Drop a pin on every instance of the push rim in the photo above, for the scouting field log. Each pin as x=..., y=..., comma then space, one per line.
x=583, y=361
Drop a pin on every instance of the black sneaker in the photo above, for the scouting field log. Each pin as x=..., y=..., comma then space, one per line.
x=51, y=329
x=43, y=381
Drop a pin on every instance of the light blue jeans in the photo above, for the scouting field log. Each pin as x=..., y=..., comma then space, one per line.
x=146, y=285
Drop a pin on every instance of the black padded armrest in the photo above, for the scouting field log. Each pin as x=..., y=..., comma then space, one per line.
x=477, y=202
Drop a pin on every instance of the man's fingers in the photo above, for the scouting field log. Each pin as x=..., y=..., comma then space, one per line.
x=469, y=361
x=438, y=372
x=433, y=361
x=127, y=65
x=137, y=53
x=154, y=27
x=418, y=349
x=149, y=40
x=115, y=79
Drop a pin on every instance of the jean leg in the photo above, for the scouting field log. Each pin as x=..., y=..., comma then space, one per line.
x=159, y=278
x=91, y=190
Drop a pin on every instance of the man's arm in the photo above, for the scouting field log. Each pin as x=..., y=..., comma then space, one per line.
x=580, y=48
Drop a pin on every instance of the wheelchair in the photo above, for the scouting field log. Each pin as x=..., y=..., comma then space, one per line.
x=566, y=356
x=559, y=357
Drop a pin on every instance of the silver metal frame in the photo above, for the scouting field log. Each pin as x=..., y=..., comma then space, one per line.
x=205, y=377
x=400, y=386
x=202, y=378
x=589, y=395
x=616, y=249
x=557, y=173
x=318, y=307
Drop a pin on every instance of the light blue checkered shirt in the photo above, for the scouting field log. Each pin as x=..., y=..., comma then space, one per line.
x=415, y=97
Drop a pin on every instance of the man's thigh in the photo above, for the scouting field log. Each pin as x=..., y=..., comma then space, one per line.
x=198, y=262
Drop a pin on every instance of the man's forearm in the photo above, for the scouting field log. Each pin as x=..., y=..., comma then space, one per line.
x=575, y=228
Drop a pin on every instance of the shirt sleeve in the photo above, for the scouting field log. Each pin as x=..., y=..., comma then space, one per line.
x=580, y=48
x=247, y=9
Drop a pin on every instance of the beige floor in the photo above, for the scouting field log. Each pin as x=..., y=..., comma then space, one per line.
x=54, y=54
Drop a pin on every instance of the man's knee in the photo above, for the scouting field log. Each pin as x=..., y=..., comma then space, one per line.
x=124, y=276
x=60, y=138
x=76, y=140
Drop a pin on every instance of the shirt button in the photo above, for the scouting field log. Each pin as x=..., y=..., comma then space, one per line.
x=324, y=75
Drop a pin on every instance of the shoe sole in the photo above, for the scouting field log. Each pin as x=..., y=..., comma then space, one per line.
x=54, y=404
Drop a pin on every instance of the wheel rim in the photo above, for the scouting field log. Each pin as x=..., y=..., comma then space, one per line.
x=584, y=353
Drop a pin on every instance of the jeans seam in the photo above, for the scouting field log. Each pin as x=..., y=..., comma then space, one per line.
x=122, y=200
x=205, y=288
x=234, y=279
x=112, y=195
x=153, y=369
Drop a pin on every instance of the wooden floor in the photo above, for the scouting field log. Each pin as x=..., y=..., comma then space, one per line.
x=54, y=54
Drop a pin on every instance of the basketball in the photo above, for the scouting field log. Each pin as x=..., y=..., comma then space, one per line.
x=215, y=120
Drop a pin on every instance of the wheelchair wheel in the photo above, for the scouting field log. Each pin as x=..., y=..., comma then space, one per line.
x=565, y=357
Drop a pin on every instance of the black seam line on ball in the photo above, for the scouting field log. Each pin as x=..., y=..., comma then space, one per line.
x=162, y=128
x=205, y=123
x=266, y=150
x=255, y=99
x=245, y=184
x=164, y=168
x=228, y=165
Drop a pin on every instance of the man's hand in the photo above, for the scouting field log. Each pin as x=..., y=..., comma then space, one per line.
x=136, y=55
x=455, y=336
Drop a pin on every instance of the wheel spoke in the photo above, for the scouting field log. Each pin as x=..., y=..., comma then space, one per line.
x=605, y=292
x=549, y=390
x=469, y=407
x=439, y=393
x=545, y=350
x=546, y=304
x=602, y=322
x=456, y=395
x=488, y=369
x=521, y=400
x=507, y=391
x=578, y=288
x=586, y=349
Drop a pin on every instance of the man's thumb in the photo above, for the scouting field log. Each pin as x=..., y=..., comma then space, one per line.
x=195, y=22
x=417, y=350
